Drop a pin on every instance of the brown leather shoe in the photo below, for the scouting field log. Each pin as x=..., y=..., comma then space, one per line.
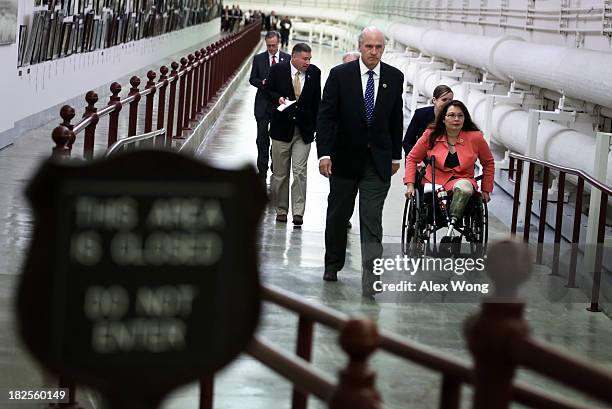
x=298, y=220
x=281, y=218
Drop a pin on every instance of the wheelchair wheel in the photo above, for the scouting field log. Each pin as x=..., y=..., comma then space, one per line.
x=479, y=227
x=412, y=226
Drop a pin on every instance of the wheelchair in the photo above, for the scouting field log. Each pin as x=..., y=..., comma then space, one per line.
x=424, y=217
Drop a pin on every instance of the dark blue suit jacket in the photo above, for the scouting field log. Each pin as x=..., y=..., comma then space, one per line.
x=259, y=72
x=343, y=133
x=420, y=120
x=303, y=113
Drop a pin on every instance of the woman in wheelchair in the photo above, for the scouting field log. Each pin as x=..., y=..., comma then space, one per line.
x=455, y=143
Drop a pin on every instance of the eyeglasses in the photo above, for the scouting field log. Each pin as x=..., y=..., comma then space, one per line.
x=460, y=117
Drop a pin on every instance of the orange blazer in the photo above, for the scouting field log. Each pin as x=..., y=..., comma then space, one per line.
x=470, y=145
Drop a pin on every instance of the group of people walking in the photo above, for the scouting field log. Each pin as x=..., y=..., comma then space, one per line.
x=357, y=123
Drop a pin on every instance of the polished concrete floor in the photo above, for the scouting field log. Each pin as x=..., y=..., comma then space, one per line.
x=292, y=258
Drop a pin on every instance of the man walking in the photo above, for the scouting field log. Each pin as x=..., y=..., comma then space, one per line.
x=263, y=108
x=285, y=27
x=292, y=130
x=359, y=143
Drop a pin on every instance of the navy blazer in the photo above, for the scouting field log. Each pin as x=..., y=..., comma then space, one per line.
x=343, y=132
x=259, y=72
x=420, y=121
x=303, y=113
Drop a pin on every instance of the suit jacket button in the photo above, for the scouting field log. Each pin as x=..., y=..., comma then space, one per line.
x=294, y=118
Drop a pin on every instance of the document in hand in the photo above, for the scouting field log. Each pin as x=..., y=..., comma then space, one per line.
x=286, y=105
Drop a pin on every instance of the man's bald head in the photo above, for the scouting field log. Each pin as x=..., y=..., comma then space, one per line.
x=371, y=46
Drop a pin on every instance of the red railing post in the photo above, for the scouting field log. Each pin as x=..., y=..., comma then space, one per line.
x=67, y=113
x=62, y=135
x=134, y=82
x=148, y=127
x=517, y=191
x=356, y=388
x=161, y=106
x=571, y=279
x=543, y=211
x=207, y=392
x=498, y=323
x=528, y=200
x=201, y=86
x=113, y=120
x=196, y=86
x=599, y=250
x=299, y=400
x=558, y=222
x=188, y=93
x=90, y=131
x=209, y=72
x=171, y=104
x=181, y=100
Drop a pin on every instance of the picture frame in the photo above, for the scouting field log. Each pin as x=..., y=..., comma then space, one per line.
x=23, y=39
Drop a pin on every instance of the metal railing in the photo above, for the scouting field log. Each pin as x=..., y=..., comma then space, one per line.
x=182, y=95
x=515, y=172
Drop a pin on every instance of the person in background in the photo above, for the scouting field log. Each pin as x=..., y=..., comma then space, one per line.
x=263, y=108
x=423, y=117
x=350, y=56
x=285, y=27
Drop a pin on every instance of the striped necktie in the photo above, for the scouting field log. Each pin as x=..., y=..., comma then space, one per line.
x=369, y=98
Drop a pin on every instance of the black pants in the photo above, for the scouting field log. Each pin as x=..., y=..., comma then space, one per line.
x=263, y=143
x=284, y=38
x=340, y=204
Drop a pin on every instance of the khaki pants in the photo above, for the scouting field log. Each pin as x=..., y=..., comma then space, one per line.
x=288, y=156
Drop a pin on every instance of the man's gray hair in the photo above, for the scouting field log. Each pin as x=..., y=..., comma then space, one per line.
x=271, y=34
x=368, y=30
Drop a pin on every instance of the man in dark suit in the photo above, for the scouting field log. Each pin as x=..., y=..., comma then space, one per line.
x=263, y=107
x=423, y=117
x=292, y=130
x=285, y=27
x=359, y=143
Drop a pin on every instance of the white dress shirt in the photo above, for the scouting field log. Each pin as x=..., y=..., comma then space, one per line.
x=276, y=57
x=364, y=78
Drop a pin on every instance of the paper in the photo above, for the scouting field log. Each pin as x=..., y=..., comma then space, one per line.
x=286, y=105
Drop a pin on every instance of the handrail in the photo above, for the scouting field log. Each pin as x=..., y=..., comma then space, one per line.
x=565, y=369
x=132, y=139
x=191, y=85
x=412, y=351
x=577, y=172
x=296, y=370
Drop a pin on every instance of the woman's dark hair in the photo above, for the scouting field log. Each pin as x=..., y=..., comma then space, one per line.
x=439, y=128
x=441, y=90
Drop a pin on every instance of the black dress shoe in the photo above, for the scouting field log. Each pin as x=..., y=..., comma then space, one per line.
x=330, y=275
x=298, y=220
x=349, y=225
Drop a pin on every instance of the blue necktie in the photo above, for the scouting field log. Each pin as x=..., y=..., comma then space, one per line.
x=369, y=98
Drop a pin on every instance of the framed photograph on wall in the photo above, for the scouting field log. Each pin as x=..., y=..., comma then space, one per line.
x=66, y=34
x=23, y=38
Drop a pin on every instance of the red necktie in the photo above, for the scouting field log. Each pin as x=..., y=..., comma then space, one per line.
x=273, y=59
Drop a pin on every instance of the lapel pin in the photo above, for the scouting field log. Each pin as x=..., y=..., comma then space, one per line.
x=460, y=140
x=384, y=85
